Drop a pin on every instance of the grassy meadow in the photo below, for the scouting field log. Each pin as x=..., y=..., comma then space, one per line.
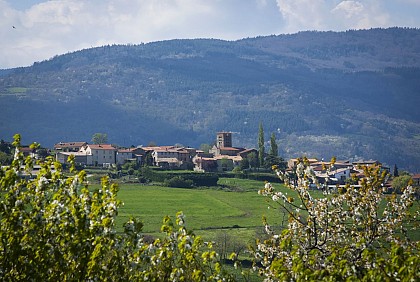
x=236, y=204
x=233, y=207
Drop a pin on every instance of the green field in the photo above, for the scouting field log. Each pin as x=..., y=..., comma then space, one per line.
x=205, y=209
x=235, y=207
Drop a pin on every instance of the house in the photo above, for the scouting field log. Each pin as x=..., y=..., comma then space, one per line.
x=323, y=167
x=99, y=154
x=204, y=163
x=326, y=173
x=335, y=176
x=416, y=179
x=292, y=163
x=168, y=163
x=184, y=155
x=192, y=152
x=27, y=151
x=359, y=164
x=131, y=154
x=227, y=163
x=245, y=153
x=63, y=150
x=366, y=163
x=341, y=174
x=80, y=158
x=217, y=163
x=170, y=156
x=227, y=151
x=69, y=146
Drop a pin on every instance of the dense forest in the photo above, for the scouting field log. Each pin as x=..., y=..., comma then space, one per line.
x=352, y=94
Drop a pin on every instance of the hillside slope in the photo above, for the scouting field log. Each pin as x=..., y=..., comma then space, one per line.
x=351, y=94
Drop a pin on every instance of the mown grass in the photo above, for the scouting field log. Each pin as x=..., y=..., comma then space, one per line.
x=205, y=209
x=235, y=207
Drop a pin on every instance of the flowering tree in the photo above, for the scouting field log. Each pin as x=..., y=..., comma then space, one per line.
x=54, y=228
x=356, y=233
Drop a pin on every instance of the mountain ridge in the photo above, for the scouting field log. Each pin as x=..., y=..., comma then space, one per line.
x=350, y=94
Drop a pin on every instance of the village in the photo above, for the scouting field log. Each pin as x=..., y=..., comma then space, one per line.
x=221, y=157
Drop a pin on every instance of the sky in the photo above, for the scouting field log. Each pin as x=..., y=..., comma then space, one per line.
x=37, y=30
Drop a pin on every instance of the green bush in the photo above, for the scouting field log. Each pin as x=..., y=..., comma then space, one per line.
x=54, y=228
x=178, y=182
x=202, y=179
x=198, y=179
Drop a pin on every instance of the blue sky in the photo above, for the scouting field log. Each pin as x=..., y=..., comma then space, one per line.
x=35, y=30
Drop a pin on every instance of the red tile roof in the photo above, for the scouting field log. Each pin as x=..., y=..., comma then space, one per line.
x=166, y=150
x=248, y=150
x=102, y=147
x=125, y=150
x=69, y=144
x=154, y=148
x=230, y=149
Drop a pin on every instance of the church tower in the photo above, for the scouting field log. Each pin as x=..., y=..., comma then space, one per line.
x=224, y=139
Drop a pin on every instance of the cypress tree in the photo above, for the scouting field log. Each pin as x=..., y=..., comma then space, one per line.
x=274, y=149
x=261, y=148
x=395, y=172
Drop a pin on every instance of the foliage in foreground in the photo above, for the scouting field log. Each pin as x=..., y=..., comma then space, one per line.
x=53, y=228
x=344, y=236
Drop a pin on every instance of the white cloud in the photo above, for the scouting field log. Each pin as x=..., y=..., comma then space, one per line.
x=349, y=9
x=356, y=15
x=332, y=15
x=304, y=14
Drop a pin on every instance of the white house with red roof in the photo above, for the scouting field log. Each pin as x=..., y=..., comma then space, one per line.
x=69, y=146
x=99, y=154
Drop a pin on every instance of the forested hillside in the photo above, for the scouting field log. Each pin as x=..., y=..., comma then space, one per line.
x=352, y=94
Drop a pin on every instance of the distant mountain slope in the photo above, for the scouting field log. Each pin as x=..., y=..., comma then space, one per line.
x=351, y=94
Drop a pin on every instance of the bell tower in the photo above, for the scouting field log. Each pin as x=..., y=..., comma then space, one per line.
x=224, y=139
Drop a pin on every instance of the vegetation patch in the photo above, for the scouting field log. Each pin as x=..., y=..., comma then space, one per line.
x=17, y=90
x=204, y=208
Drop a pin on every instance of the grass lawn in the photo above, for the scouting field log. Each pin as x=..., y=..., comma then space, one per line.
x=236, y=208
x=205, y=209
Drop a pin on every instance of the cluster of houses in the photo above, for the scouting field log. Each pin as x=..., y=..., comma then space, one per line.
x=221, y=157
x=338, y=173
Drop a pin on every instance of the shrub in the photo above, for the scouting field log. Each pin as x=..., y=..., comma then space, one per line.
x=344, y=236
x=54, y=228
x=178, y=182
x=198, y=179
